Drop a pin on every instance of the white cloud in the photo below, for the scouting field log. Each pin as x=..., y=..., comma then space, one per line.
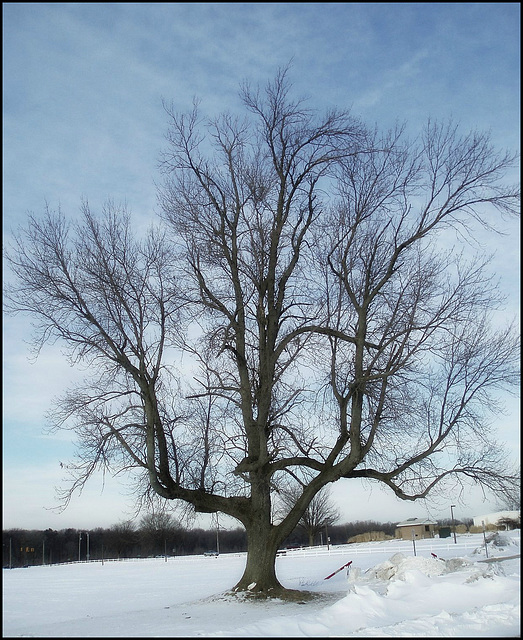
x=30, y=499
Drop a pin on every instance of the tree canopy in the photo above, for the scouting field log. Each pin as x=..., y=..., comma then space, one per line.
x=306, y=309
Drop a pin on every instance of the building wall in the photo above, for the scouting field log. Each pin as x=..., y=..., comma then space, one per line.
x=492, y=518
x=420, y=531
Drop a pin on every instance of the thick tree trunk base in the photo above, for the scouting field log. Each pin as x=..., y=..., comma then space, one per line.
x=277, y=593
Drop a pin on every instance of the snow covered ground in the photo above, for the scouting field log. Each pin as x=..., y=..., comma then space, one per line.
x=388, y=592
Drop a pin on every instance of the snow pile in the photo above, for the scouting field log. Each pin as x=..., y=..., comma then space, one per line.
x=398, y=565
x=409, y=596
x=428, y=606
x=498, y=542
x=503, y=540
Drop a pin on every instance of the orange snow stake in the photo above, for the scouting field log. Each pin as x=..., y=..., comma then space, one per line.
x=338, y=570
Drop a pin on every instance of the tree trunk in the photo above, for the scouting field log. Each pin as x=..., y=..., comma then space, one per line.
x=259, y=576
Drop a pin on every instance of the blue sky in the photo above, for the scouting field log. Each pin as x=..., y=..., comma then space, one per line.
x=83, y=85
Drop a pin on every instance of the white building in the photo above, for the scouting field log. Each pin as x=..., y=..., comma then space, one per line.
x=494, y=518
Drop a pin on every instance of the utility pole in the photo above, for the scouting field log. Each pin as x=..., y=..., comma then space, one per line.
x=453, y=525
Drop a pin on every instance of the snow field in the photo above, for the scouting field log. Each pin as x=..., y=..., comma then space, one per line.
x=387, y=592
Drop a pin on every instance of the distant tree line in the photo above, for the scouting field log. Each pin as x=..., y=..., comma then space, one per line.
x=159, y=534
x=152, y=536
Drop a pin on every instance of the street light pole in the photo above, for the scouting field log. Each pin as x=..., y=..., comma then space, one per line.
x=453, y=525
x=217, y=534
x=88, y=554
x=79, y=545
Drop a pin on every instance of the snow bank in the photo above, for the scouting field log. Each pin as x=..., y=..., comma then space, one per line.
x=424, y=596
x=398, y=565
x=412, y=596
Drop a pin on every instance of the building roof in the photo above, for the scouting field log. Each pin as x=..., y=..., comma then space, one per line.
x=493, y=518
x=412, y=522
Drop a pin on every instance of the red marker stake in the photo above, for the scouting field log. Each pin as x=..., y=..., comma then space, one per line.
x=338, y=570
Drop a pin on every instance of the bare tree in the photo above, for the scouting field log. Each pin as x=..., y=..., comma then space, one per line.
x=510, y=497
x=299, y=279
x=122, y=538
x=159, y=532
x=320, y=513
